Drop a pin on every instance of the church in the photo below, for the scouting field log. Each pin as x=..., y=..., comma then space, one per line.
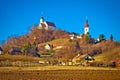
x=46, y=24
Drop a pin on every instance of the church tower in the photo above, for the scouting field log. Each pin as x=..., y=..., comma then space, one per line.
x=42, y=20
x=86, y=29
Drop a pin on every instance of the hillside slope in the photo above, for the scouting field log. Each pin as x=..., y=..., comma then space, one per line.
x=109, y=56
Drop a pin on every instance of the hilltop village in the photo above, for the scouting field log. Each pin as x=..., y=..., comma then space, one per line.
x=57, y=47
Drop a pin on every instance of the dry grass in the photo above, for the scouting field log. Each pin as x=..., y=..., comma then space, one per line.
x=54, y=68
x=61, y=41
x=83, y=74
x=18, y=58
x=109, y=55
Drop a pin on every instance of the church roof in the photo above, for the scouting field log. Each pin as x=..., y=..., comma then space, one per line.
x=50, y=24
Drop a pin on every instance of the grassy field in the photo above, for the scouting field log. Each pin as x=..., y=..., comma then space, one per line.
x=18, y=58
x=59, y=73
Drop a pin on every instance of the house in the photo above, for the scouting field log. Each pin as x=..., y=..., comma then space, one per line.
x=15, y=50
x=77, y=60
x=94, y=40
x=74, y=35
x=89, y=58
x=48, y=47
x=79, y=36
x=83, y=59
x=46, y=24
x=1, y=51
x=57, y=46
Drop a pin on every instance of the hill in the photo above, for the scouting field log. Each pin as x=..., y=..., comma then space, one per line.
x=109, y=55
x=58, y=45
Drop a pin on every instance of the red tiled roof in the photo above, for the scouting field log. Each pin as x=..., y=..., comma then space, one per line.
x=86, y=25
x=55, y=45
x=81, y=56
x=50, y=24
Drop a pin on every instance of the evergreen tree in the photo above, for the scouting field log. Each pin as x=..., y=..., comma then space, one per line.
x=77, y=45
x=101, y=37
x=87, y=38
x=24, y=49
x=111, y=37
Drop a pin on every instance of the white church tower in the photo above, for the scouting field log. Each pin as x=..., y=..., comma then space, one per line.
x=86, y=29
x=42, y=20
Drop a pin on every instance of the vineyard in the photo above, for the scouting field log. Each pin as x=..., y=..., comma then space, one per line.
x=60, y=75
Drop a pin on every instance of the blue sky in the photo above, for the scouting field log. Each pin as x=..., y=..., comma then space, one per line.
x=17, y=16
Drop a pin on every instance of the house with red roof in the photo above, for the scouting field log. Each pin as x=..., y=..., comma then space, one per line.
x=83, y=59
x=46, y=24
x=57, y=46
x=77, y=60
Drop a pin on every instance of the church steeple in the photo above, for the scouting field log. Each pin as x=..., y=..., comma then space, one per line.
x=86, y=29
x=86, y=24
x=42, y=19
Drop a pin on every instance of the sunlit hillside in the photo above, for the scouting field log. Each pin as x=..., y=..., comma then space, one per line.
x=109, y=55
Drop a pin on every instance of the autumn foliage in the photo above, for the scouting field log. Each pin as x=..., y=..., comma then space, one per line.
x=35, y=35
x=32, y=44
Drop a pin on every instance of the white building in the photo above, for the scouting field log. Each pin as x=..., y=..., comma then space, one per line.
x=72, y=36
x=79, y=36
x=46, y=24
x=48, y=47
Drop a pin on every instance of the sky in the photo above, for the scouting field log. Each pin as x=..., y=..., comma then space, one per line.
x=17, y=16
